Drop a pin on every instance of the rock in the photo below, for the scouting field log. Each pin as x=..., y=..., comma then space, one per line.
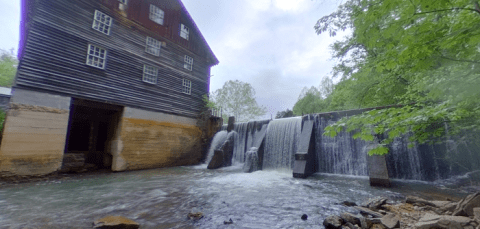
x=476, y=214
x=391, y=221
x=333, y=222
x=419, y=201
x=348, y=203
x=72, y=162
x=348, y=217
x=466, y=205
x=431, y=221
x=115, y=222
x=375, y=203
x=369, y=212
x=195, y=216
x=378, y=226
x=217, y=160
x=304, y=217
x=228, y=222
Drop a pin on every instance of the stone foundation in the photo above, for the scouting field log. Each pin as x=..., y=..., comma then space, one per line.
x=34, y=134
x=153, y=140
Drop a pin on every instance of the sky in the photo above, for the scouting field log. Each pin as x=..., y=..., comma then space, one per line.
x=270, y=44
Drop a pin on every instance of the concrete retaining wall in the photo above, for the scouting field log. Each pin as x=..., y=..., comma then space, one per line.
x=151, y=140
x=34, y=134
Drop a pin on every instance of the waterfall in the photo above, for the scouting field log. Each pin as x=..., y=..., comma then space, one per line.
x=217, y=142
x=341, y=154
x=281, y=143
x=240, y=140
x=404, y=162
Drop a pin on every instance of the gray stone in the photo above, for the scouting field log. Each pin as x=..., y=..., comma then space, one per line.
x=431, y=221
x=333, y=222
x=419, y=201
x=391, y=221
x=217, y=160
x=115, y=222
x=375, y=203
x=348, y=217
x=368, y=212
x=476, y=214
x=466, y=205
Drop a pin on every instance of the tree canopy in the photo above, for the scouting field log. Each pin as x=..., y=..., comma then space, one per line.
x=284, y=114
x=237, y=98
x=8, y=68
x=421, y=54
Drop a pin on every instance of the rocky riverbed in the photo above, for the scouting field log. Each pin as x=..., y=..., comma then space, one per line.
x=412, y=212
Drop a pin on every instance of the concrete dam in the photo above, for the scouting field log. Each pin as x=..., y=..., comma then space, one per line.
x=289, y=142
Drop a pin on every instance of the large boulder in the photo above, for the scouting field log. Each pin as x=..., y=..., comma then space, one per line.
x=115, y=222
x=466, y=205
x=431, y=221
x=333, y=222
x=351, y=218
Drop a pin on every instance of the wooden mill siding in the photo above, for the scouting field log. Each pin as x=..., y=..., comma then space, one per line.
x=54, y=56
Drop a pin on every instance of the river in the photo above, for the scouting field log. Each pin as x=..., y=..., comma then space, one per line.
x=162, y=198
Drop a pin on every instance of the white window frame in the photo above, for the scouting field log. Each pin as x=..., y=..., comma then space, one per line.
x=150, y=74
x=156, y=14
x=153, y=46
x=188, y=63
x=184, y=31
x=96, y=56
x=187, y=86
x=102, y=22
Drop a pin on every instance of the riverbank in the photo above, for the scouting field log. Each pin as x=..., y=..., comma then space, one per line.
x=412, y=212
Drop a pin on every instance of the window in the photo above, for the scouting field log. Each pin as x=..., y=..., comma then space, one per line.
x=156, y=14
x=184, y=31
x=188, y=63
x=96, y=56
x=187, y=87
x=102, y=22
x=123, y=2
x=153, y=46
x=150, y=74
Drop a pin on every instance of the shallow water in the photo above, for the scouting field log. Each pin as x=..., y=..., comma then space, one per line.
x=162, y=198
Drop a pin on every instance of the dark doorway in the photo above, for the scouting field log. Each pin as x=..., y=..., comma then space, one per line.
x=92, y=126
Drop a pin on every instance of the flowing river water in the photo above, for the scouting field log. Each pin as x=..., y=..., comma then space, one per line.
x=162, y=198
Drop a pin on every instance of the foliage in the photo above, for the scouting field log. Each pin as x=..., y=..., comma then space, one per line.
x=314, y=100
x=237, y=98
x=8, y=68
x=209, y=103
x=424, y=54
x=284, y=114
x=2, y=119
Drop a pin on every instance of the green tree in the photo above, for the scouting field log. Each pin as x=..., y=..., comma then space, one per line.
x=310, y=101
x=8, y=68
x=423, y=54
x=237, y=98
x=285, y=114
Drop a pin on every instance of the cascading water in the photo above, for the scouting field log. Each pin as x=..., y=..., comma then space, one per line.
x=217, y=142
x=240, y=140
x=281, y=142
x=404, y=162
x=341, y=154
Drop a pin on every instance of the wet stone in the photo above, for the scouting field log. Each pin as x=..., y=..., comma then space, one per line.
x=304, y=217
x=115, y=222
x=333, y=222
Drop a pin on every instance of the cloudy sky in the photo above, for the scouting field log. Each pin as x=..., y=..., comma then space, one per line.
x=270, y=44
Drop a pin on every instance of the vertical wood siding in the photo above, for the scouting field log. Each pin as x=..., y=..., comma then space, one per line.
x=56, y=50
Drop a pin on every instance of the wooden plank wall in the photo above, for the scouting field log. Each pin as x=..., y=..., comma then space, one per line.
x=56, y=51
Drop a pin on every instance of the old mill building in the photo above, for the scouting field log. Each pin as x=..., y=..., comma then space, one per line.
x=118, y=83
